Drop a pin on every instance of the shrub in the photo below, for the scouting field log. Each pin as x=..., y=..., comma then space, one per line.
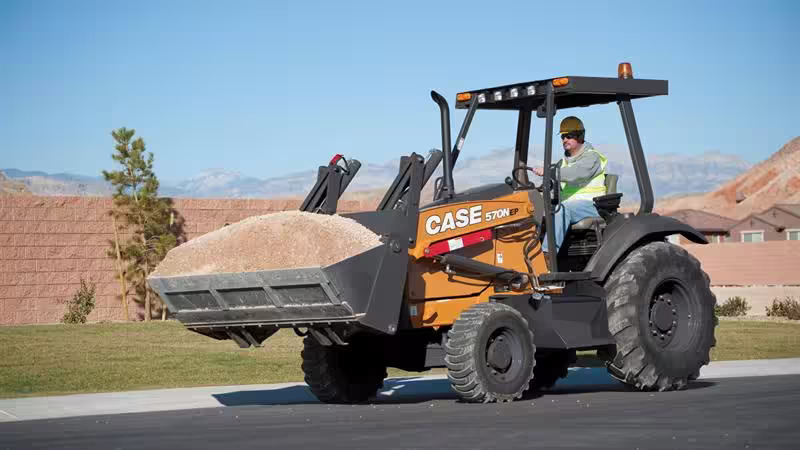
x=733, y=307
x=787, y=307
x=81, y=304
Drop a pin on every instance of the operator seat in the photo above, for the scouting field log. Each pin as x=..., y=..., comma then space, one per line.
x=596, y=223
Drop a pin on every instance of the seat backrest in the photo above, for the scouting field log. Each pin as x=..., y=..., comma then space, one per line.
x=611, y=183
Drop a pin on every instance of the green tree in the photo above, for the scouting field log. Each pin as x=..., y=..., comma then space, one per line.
x=147, y=220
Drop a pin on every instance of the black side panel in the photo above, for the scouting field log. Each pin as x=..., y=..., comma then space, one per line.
x=412, y=350
x=623, y=234
x=386, y=296
x=565, y=321
x=354, y=277
x=374, y=281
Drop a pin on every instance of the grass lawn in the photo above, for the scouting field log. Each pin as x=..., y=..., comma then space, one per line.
x=66, y=359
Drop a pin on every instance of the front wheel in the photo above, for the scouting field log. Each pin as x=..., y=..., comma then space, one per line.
x=661, y=314
x=490, y=354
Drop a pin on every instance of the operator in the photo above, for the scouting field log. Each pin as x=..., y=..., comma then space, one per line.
x=583, y=171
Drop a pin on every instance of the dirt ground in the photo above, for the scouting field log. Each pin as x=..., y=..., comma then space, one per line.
x=759, y=297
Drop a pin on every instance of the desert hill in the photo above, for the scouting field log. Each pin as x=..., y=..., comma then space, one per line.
x=776, y=180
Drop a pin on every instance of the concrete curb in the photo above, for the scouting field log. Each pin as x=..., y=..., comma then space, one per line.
x=395, y=389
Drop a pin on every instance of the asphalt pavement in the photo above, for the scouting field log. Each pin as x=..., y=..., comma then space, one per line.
x=587, y=410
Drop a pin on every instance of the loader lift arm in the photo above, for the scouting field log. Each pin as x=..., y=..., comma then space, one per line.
x=397, y=196
x=332, y=180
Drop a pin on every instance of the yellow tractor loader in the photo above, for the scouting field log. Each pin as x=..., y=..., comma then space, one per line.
x=462, y=283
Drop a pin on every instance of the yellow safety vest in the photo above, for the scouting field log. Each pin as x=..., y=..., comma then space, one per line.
x=595, y=187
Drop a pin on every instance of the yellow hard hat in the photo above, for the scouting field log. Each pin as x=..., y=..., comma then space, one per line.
x=571, y=124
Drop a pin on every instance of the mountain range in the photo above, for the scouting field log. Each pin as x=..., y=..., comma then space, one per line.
x=11, y=187
x=671, y=175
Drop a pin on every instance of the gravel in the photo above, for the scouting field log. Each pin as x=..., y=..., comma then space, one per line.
x=285, y=240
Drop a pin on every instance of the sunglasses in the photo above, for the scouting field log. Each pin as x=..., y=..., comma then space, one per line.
x=569, y=136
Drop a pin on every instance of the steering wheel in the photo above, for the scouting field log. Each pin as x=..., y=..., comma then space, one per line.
x=530, y=184
x=527, y=185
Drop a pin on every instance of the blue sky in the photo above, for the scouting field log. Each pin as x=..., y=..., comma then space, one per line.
x=268, y=88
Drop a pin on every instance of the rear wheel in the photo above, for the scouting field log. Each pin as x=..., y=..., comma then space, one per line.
x=550, y=368
x=661, y=314
x=342, y=374
x=490, y=354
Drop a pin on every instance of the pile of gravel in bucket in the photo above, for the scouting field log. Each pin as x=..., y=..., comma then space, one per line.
x=286, y=240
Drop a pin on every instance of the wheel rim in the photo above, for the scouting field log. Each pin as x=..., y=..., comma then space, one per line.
x=504, y=355
x=672, y=315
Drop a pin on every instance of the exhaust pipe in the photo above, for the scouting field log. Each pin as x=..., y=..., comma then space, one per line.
x=446, y=148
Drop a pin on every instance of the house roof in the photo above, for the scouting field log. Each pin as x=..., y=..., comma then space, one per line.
x=791, y=209
x=773, y=221
x=703, y=221
x=768, y=220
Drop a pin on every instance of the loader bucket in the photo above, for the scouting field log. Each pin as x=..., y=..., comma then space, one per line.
x=365, y=289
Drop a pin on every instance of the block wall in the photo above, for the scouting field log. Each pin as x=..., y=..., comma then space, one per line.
x=772, y=263
x=47, y=244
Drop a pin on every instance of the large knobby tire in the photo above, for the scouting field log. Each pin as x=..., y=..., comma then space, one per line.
x=661, y=314
x=551, y=367
x=490, y=354
x=342, y=374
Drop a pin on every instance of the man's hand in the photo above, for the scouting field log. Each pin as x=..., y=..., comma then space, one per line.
x=538, y=171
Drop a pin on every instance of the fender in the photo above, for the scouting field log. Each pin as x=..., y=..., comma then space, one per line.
x=623, y=234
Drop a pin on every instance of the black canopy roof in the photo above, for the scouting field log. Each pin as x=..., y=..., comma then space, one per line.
x=578, y=91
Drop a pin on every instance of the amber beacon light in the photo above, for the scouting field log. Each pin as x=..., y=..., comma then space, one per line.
x=624, y=71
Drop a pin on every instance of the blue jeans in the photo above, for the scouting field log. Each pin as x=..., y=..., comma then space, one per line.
x=569, y=212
